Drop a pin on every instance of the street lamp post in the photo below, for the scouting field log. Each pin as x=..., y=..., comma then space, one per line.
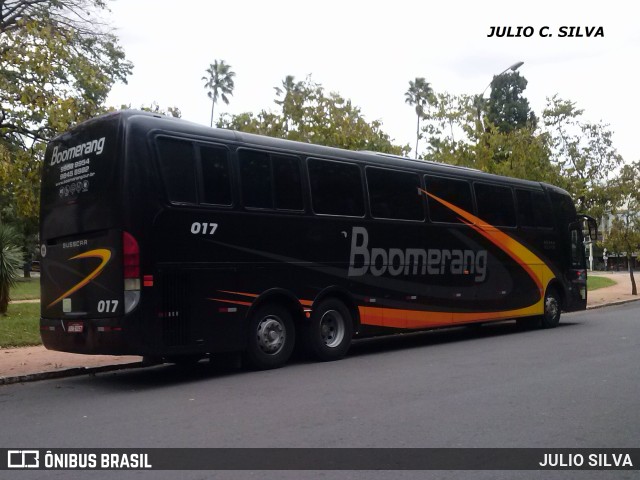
x=479, y=98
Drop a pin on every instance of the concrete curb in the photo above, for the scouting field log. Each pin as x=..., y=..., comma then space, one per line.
x=68, y=372
x=612, y=304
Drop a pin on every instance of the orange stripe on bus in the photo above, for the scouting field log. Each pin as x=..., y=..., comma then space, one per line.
x=306, y=303
x=234, y=302
x=243, y=294
x=413, y=319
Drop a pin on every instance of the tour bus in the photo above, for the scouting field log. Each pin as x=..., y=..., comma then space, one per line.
x=175, y=241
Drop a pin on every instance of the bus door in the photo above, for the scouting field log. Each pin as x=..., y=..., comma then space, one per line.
x=577, y=274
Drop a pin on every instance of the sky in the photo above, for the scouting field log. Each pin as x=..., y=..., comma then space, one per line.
x=368, y=51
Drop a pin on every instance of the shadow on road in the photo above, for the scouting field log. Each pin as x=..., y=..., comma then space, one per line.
x=167, y=375
x=440, y=337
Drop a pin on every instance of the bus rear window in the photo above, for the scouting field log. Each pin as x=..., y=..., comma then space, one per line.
x=82, y=166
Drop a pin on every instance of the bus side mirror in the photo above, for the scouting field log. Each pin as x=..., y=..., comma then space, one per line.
x=589, y=227
x=593, y=229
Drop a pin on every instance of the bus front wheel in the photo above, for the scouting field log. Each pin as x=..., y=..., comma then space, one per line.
x=329, y=331
x=552, y=309
x=271, y=337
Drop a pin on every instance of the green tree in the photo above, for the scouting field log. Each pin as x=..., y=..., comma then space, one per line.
x=624, y=237
x=10, y=263
x=292, y=94
x=219, y=83
x=449, y=127
x=420, y=95
x=563, y=149
x=454, y=138
x=309, y=114
x=507, y=108
x=154, y=107
x=585, y=154
x=58, y=62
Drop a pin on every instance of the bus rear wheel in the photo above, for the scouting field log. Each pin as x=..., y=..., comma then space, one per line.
x=329, y=331
x=552, y=309
x=271, y=337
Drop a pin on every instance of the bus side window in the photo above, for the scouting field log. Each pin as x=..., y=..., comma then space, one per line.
x=177, y=168
x=495, y=205
x=456, y=192
x=542, y=210
x=336, y=188
x=287, y=182
x=255, y=178
x=533, y=209
x=526, y=210
x=394, y=194
x=270, y=181
x=215, y=175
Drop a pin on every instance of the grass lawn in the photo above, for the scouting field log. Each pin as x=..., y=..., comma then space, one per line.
x=594, y=282
x=26, y=289
x=21, y=326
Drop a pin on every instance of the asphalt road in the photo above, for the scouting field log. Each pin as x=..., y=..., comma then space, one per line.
x=576, y=386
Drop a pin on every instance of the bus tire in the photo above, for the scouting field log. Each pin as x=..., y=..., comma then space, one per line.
x=329, y=331
x=270, y=337
x=552, y=309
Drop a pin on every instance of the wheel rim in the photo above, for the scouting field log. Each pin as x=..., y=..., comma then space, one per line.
x=332, y=328
x=552, y=307
x=271, y=335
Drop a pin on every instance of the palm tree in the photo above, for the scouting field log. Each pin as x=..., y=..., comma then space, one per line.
x=10, y=263
x=292, y=93
x=219, y=83
x=419, y=94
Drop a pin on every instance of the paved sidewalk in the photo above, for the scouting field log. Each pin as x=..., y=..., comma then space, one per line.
x=618, y=293
x=33, y=363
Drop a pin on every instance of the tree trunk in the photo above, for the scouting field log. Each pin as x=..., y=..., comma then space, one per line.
x=26, y=269
x=634, y=289
x=4, y=300
x=213, y=104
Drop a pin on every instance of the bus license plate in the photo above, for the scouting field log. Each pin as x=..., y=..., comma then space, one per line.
x=75, y=327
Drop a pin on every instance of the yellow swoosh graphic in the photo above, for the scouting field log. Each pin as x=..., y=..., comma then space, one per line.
x=521, y=254
x=539, y=272
x=103, y=254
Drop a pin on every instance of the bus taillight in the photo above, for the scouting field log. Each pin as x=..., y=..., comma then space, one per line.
x=131, y=268
x=579, y=275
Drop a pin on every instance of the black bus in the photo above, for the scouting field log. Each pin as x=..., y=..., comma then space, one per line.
x=175, y=241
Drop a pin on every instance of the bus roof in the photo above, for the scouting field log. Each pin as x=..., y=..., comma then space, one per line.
x=153, y=121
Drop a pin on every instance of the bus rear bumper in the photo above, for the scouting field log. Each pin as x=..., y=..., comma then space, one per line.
x=84, y=337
